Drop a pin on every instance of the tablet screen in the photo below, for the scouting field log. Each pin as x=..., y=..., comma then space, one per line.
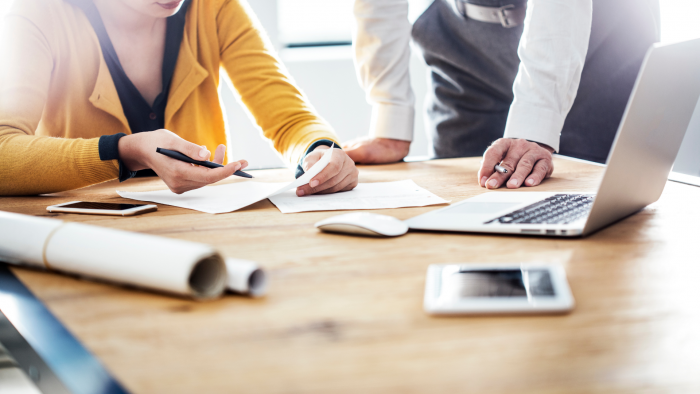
x=506, y=283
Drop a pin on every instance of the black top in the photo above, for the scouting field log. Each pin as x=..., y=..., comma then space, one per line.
x=139, y=114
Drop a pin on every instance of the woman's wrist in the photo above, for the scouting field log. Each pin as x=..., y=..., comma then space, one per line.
x=130, y=154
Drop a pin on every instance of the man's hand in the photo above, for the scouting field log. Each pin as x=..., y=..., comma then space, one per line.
x=368, y=150
x=528, y=163
x=138, y=152
x=340, y=174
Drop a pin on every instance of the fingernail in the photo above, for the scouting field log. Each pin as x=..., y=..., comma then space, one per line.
x=483, y=180
x=203, y=153
x=493, y=183
x=300, y=192
x=530, y=181
x=314, y=183
x=514, y=182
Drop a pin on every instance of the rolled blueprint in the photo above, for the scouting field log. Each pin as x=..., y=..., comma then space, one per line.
x=174, y=266
x=246, y=277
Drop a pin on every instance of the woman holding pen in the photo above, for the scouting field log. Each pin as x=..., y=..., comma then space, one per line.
x=90, y=88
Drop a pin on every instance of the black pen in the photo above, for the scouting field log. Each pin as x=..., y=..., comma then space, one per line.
x=209, y=164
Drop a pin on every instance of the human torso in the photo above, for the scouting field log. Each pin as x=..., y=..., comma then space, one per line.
x=82, y=101
x=474, y=64
x=141, y=57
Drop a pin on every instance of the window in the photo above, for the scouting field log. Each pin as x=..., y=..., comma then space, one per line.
x=324, y=22
x=315, y=22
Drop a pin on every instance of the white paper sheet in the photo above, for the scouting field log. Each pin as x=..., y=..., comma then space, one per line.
x=380, y=195
x=231, y=197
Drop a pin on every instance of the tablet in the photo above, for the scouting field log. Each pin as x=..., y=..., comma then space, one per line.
x=453, y=289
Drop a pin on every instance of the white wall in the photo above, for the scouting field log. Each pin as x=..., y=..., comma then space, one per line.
x=3, y=6
x=688, y=160
x=679, y=22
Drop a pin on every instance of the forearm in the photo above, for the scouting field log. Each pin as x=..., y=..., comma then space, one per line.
x=552, y=51
x=382, y=56
x=39, y=165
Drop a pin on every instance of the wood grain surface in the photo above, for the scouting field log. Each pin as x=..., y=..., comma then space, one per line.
x=344, y=314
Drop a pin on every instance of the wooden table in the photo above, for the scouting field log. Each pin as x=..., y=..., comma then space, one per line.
x=344, y=314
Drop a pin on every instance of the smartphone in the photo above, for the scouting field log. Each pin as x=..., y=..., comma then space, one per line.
x=102, y=208
x=453, y=289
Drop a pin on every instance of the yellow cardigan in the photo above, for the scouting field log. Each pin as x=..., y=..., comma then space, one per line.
x=57, y=96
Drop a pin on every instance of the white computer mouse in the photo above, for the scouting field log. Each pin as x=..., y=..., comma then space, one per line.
x=363, y=223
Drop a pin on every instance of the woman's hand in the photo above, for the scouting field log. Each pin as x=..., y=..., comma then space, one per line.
x=339, y=175
x=138, y=152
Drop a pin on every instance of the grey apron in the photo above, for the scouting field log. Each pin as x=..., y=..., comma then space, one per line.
x=473, y=66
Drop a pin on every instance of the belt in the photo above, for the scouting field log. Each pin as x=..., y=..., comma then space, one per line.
x=507, y=16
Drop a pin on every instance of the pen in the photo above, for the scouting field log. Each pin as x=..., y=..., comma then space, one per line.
x=209, y=164
x=500, y=169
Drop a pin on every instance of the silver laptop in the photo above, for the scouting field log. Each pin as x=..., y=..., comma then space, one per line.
x=645, y=147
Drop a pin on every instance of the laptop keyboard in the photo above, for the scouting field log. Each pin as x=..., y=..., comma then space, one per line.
x=558, y=209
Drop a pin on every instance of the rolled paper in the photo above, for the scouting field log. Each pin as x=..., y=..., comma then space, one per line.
x=246, y=277
x=173, y=266
x=23, y=238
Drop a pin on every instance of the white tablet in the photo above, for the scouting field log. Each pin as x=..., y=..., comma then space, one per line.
x=453, y=289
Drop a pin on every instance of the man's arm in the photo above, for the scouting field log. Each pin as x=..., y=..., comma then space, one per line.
x=552, y=52
x=382, y=56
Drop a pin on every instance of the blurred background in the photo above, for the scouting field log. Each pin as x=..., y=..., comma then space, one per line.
x=314, y=41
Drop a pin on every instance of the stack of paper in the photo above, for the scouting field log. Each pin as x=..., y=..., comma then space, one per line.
x=231, y=197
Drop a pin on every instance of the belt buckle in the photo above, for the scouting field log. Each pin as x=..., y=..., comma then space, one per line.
x=501, y=11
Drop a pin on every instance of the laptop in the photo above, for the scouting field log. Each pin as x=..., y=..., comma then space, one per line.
x=645, y=147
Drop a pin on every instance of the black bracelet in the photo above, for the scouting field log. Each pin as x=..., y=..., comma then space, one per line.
x=300, y=170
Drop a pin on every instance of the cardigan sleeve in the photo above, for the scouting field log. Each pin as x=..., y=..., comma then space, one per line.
x=264, y=85
x=34, y=164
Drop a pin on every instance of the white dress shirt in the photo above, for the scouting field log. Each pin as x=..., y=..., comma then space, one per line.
x=552, y=52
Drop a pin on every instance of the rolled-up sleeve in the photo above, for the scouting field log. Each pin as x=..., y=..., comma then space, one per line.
x=552, y=53
x=382, y=56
